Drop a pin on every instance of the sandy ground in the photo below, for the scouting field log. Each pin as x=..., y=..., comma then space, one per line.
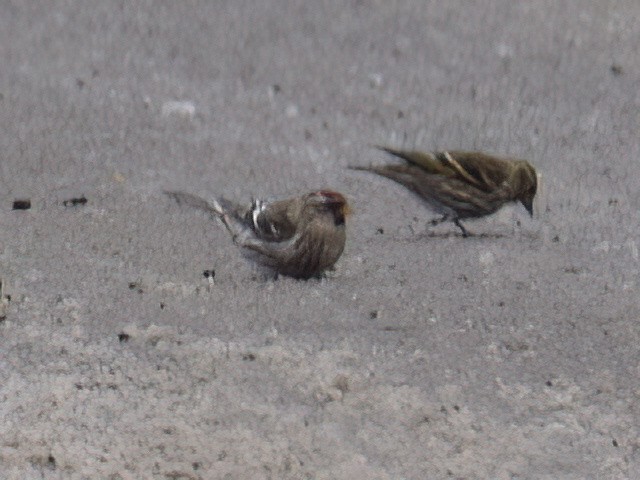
x=510, y=355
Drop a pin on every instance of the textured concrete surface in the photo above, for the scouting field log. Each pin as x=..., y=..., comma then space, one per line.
x=510, y=355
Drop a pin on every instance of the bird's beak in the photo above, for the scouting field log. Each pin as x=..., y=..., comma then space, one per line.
x=528, y=205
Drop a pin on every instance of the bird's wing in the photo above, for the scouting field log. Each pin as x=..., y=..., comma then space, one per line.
x=429, y=162
x=480, y=170
x=447, y=195
x=488, y=172
x=272, y=221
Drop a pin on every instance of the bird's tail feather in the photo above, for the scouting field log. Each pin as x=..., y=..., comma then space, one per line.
x=183, y=198
x=362, y=168
x=221, y=208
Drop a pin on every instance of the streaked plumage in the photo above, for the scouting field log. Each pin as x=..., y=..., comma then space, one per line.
x=300, y=237
x=459, y=184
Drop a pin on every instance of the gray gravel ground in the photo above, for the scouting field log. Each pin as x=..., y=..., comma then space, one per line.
x=510, y=355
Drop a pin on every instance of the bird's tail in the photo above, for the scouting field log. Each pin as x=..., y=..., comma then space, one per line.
x=362, y=168
x=405, y=155
x=227, y=211
x=371, y=168
x=183, y=198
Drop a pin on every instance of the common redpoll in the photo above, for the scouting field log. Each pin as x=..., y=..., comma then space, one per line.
x=300, y=237
x=460, y=184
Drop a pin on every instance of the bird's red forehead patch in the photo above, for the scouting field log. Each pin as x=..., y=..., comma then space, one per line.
x=335, y=200
x=332, y=197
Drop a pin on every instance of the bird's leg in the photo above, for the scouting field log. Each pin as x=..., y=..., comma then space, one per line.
x=438, y=221
x=465, y=233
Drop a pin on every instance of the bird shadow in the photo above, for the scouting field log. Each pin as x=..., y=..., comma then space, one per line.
x=478, y=236
x=470, y=236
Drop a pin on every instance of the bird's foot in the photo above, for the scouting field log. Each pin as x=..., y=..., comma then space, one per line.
x=465, y=232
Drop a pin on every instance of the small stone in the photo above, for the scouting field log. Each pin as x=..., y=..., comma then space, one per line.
x=292, y=111
x=375, y=80
x=74, y=202
x=22, y=204
x=183, y=109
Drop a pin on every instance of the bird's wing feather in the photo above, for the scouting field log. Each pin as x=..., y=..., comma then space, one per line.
x=488, y=171
x=273, y=221
x=446, y=195
x=480, y=170
x=429, y=162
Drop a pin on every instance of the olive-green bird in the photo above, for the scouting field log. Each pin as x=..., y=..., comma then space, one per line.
x=459, y=184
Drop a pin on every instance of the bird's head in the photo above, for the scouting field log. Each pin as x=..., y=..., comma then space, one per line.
x=525, y=184
x=329, y=202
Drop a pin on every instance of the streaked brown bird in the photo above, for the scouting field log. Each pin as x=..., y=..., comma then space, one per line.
x=300, y=237
x=459, y=184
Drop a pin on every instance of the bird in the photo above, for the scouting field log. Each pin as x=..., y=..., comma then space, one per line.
x=300, y=237
x=461, y=184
